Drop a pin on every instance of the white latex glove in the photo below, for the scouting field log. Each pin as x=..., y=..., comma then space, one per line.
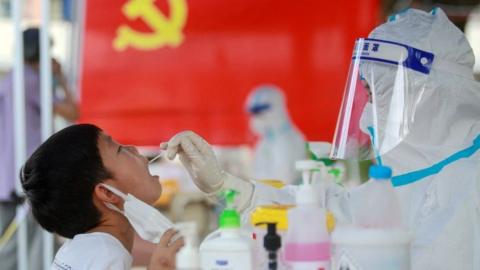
x=201, y=163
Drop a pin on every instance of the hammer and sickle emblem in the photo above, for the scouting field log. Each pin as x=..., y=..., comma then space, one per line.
x=166, y=31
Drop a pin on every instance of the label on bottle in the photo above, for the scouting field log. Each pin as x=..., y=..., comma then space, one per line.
x=226, y=261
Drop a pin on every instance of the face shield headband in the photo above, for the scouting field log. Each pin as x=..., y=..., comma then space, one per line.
x=377, y=104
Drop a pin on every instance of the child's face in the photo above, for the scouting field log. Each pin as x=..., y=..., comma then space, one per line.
x=129, y=170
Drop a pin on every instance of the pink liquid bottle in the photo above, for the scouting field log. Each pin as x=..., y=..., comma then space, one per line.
x=307, y=245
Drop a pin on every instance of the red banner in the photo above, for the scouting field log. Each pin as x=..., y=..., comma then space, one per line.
x=153, y=68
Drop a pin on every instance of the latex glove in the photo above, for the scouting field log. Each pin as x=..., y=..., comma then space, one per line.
x=201, y=163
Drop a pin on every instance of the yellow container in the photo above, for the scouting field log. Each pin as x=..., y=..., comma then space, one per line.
x=278, y=213
x=271, y=214
x=273, y=183
x=330, y=221
x=169, y=189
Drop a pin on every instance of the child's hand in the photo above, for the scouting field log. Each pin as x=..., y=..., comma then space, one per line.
x=163, y=257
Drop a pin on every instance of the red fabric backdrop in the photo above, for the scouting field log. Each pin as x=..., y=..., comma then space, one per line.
x=144, y=96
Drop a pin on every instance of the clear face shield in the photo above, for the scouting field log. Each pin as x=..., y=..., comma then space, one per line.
x=385, y=83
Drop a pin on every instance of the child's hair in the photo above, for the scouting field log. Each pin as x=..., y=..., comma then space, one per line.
x=59, y=180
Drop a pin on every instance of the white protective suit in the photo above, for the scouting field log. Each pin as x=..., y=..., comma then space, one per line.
x=280, y=142
x=436, y=165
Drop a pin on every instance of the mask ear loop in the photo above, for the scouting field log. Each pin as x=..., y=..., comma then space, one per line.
x=119, y=194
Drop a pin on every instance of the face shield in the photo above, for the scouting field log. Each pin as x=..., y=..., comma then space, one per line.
x=267, y=110
x=385, y=83
x=258, y=109
x=260, y=117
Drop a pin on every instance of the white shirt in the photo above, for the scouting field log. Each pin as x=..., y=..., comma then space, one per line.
x=92, y=251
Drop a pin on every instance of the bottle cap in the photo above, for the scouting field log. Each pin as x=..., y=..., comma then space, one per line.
x=271, y=240
x=229, y=218
x=380, y=172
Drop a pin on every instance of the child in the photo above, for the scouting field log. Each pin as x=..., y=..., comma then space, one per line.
x=68, y=182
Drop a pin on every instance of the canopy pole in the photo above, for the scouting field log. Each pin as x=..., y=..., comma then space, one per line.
x=46, y=106
x=20, y=142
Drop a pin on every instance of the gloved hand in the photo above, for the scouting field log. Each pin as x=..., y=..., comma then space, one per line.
x=199, y=159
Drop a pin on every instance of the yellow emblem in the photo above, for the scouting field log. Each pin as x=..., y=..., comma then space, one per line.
x=165, y=31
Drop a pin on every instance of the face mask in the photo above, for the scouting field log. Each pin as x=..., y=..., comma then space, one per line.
x=366, y=126
x=147, y=221
x=366, y=119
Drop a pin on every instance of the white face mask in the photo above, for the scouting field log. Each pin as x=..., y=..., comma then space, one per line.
x=147, y=221
x=366, y=123
x=366, y=119
x=260, y=126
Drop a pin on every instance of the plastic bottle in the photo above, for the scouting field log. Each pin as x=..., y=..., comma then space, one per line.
x=270, y=255
x=374, y=204
x=376, y=241
x=323, y=183
x=307, y=245
x=262, y=215
x=328, y=182
x=188, y=257
x=228, y=247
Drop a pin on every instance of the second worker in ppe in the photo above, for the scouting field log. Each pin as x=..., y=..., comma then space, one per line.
x=280, y=142
x=423, y=117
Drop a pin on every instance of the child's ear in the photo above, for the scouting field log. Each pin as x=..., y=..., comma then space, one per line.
x=105, y=195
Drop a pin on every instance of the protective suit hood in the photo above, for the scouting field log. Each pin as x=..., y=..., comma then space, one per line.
x=267, y=109
x=280, y=142
x=426, y=122
x=444, y=105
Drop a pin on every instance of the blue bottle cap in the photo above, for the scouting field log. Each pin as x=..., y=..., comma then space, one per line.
x=380, y=172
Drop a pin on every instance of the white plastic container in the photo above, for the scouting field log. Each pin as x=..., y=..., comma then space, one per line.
x=377, y=240
x=370, y=249
x=307, y=245
x=188, y=257
x=374, y=204
x=226, y=249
